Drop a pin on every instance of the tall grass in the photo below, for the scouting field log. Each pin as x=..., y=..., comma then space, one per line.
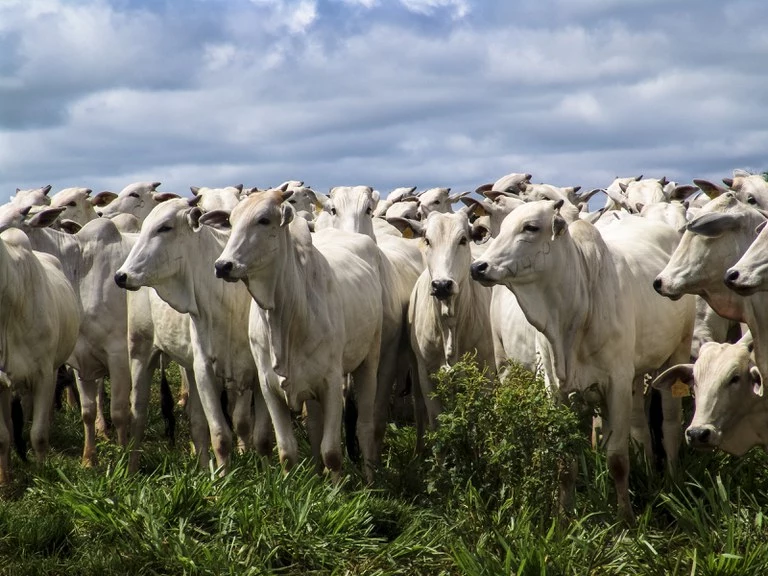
x=482, y=501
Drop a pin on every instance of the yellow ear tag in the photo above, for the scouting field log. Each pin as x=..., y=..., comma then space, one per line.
x=407, y=233
x=480, y=211
x=680, y=389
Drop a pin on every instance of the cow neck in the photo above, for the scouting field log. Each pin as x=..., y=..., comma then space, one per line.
x=756, y=316
x=559, y=303
x=726, y=303
x=750, y=430
x=450, y=314
x=282, y=291
x=65, y=247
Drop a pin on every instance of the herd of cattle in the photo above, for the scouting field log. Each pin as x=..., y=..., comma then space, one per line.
x=286, y=299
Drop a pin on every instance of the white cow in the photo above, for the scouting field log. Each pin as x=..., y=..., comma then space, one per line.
x=138, y=199
x=174, y=254
x=39, y=321
x=400, y=263
x=448, y=313
x=712, y=243
x=77, y=204
x=750, y=274
x=750, y=188
x=217, y=198
x=316, y=316
x=88, y=259
x=397, y=195
x=437, y=200
x=731, y=412
x=31, y=198
x=589, y=295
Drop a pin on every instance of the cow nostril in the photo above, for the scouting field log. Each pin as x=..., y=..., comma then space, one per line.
x=223, y=268
x=657, y=284
x=478, y=269
x=732, y=276
x=99, y=213
x=121, y=279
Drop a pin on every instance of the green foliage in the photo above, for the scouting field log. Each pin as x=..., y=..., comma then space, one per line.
x=481, y=503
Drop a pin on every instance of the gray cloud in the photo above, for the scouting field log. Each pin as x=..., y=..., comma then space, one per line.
x=427, y=92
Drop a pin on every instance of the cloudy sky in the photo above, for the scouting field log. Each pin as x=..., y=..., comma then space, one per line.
x=101, y=93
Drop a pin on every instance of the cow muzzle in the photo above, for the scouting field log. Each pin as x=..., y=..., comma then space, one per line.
x=443, y=289
x=702, y=437
x=121, y=279
x=663, y=289
x=736, y=282
x=224, y=270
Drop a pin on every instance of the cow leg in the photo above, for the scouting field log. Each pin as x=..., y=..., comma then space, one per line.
x=313, y=420
x=44, y=391
x=672, y=427
x=209, y=387
x=120, y=386
x=198, y=425
x=281, y=421
x=101, y=401
x=419, y=412
x=142, y=367
x=640, y=431
x=432, y=404
x=332, y=402
x=242, y=418
x=184, y=390
x=263, y=435
x=5, y=434
x=388, y=368
x=87, y=388
x=367, y=388
x=616, y=433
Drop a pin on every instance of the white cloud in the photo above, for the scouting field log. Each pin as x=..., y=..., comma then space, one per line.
x=459, y=8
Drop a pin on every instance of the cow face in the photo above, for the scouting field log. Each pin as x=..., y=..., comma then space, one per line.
x=712, y=242
x=750, y=273
x=160, y=249
x=351, y=208
x=437, y=200
x=259, y=231
x=217, y=198
x=76, y=203
x=138, y=199
x=725, y=384
x=32, y=197
x=521, y=252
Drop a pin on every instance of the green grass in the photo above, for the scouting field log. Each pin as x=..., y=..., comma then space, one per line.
x=482, y=502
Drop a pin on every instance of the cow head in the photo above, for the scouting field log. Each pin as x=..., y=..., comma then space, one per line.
x=521, y=253
x=713, y=241
x=750, y=273
x=726, y=385
x=76, y=203
x=217, y=198
x=138, y=199
x=351, y=208
x=437, y=200
x=32, y=197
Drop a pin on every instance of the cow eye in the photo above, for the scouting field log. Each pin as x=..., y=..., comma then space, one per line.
x=291, y=201
x=436, y=202
x=264, y=221
x=73, y=204
x=463, y=241
x=751, y=200
x=734, y=380
x=426, y=241
x=164, y=228
x=369, y=210
x=531, y=228
x=333, y=211
x=134, y=195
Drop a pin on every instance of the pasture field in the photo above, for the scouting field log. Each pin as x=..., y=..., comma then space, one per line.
x=482, y=503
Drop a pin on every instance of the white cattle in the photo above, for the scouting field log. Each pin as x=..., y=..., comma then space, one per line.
x=77, y=204
x=730, y=413
x=316, y=316
x=405, y=208
x=138, y=199
x=174, y=254
x=39, y=321
x=588, y=293
x=750, y=274
x=448, y=313
x=750, y=188
x=400, y=263
x=713, y=242
x=510, y=183
x=397, y=195
x=31, y=198
x=217, y=198
x=88, y=259
x=437, y=200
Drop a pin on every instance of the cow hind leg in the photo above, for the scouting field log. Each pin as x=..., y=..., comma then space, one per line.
x=5, y=434
x=198, y=425
x=314, y=424
x=242, y=418
x=88, y=390
x=331, y=444
x=616, y=433
x=102, y=426
x=263, y=435
x=142, y=368
x=640, y=431
x=44, y=390
x=366, y=388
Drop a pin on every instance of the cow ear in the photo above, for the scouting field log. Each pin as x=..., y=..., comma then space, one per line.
x=559, y=226
x=321, y=201
x=375, y=197
x=216, y=219
x=408, y=228
x=484, y=188
x=69, y=226
x=456, y=197
x=757, y=381
x=623, y=187
x=163, y=196
x=155, y=185
x=760, y=226
x=476, y=206
x=479, y=233
x=194, y=201
x=639, y=207
x=45, y=218
x=239, y=188
x=681, y=372
x=103, y=198
x=193, y=218
x=286, y=214
x=713, y=224
x=728, y=182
